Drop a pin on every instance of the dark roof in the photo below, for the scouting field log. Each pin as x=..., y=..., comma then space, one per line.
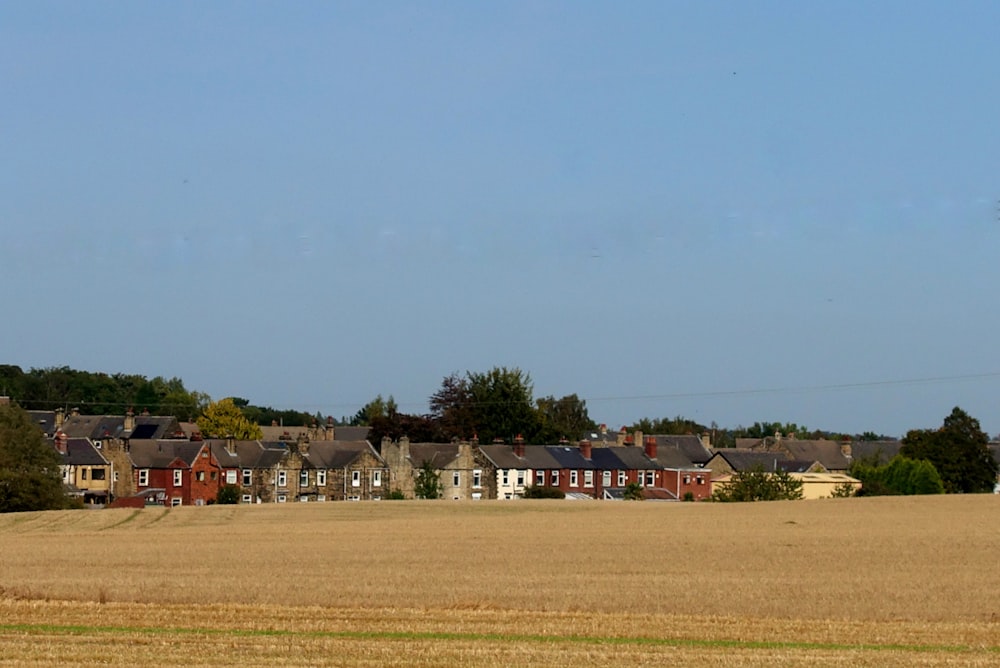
x=438, y=455
x=826, y=452
x=634, y=458
x=338, y=454
x=539, y=457
x=503, y=457
x=688, y=444
x=878, y=451
x=113, y=426
x=569, y=456
x=745, y=460
x=147, y=454
x=351, y=433
x=81, y=452
x=46, y=421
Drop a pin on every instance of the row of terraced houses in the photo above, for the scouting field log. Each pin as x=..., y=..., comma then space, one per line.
x=142, y=459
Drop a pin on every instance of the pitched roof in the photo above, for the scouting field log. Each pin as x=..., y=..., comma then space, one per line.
x=81, y=452
x=826, y=452
x=438, y=455
x=348, y=433
x=338, y=454
x=150, y=454
x=688, y=444
x=879, y=451
x=747, y=460
x=569, y=456
x=46, y=421
x=503, y=457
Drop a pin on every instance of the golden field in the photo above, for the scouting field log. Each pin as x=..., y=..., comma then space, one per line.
x=880, y=581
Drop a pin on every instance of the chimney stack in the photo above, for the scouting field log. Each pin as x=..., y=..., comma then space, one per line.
x=651, y=447
x=404, y=446
x=129, y=420
x=60, y=417
x=622, y=436
x=75, y=412
x=519, y=446
x=585, y=449
x=328, y=435
x=231, y=445
x=60, y=442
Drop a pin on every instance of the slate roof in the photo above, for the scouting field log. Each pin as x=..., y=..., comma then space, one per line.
x=826, y=452
x=746, y=460
x=274, y=433
x=338, y=454
x=81, y=452
x=688, y=444
x=670, y=458
x=881, y=451
x=538, y=457
x=46, y=421
x=569, y=456
x=351, y=433
x=94, y=427
x=635, y=459
x=439, y=455
x=503, y=457
x=150, y=454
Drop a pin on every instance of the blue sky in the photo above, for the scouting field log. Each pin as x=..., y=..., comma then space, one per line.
x=664, y=207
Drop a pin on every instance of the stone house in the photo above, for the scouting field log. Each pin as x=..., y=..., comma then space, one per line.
x=85, y=471
x=463, y=471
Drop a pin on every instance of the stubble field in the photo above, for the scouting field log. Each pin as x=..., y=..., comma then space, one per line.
x=883, y=581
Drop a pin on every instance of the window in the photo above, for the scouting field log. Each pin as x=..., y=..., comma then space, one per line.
x=574, y=478
x=520, y=478
x=176, y=501
x=178, y=477
x=376, y=478
x=199, y=476
x=456, y=479
x=588, y=478
x=97, y=444
x=539, y=477
x=477, y=478
x=476, y=496
x=303, y=478
x=282, y=478
x=83, y=473
x=215, y=475
x=282, y=498
x=303, y=499
x=701, y=480
x=606, y=478
x=505, y=478
x=114, y=476
x=321, y=497
x=621, y=478
x=247, y=477
x=246, y=498
x=355, y=478
x=143, y=477
x=650, y=478
x=687, y=480
x=230, y=477
x=354, y=498
x=321, y=478
x=555, y=478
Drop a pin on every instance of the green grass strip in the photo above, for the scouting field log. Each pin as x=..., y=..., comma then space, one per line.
x=497, y=637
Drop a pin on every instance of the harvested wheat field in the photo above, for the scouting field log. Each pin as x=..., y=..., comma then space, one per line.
x=881, y=581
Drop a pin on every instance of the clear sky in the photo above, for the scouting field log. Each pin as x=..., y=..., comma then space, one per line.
x=664, y=207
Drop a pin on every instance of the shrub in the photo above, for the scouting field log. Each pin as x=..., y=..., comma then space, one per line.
x=534, y=492
x=228, y=495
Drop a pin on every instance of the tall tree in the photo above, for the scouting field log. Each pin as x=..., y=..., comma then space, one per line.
x=29, y=466
x=502, y=404
x=562, y=418
x=959, y=452
x=451, y=407
x=376, y=408
x=223, y=418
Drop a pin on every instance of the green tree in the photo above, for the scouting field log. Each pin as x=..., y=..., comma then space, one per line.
x=677, y=426
x=29, y=467
x=757, y=484
x=502, y=404
x=223, y=418
x=428, y=485
x=633, y=492
x=539, y=492
x=958, y=451
x=228, y=495
x=451, y=407
x=562, y=418
x=902, y=475
x=374, y=409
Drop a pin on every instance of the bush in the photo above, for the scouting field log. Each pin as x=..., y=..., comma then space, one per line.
x=396, y=495
x=534, y=492
x=688, y=496
x=633, y=492
x=228, y=495
x=760, y=485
